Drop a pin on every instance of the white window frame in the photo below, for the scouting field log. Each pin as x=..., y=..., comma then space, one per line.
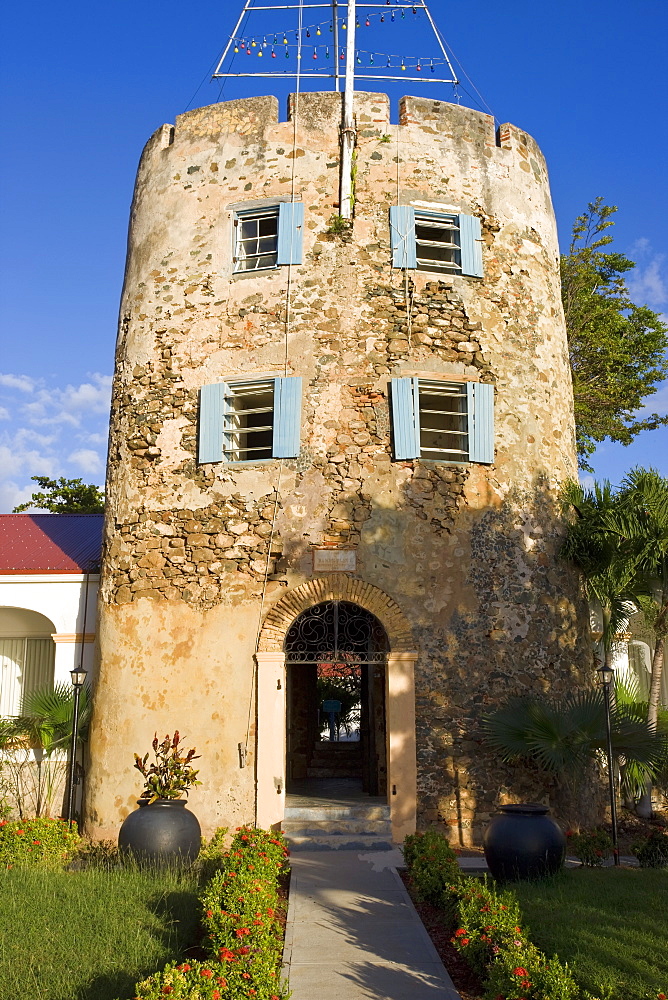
x=240, y=257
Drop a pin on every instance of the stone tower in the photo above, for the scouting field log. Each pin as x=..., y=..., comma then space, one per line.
x=334, y=445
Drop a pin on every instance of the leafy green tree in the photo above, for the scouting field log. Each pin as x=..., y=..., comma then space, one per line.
x=65, y=496
x=617, y=349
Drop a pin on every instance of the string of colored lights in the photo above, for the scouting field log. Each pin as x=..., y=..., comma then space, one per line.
x=373, y=58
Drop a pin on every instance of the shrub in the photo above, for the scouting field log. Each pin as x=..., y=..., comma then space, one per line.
x=240, y=919
x=432, y=865
x=652, y=852
x=42, y=842
x=592, y=847
x=492, y=941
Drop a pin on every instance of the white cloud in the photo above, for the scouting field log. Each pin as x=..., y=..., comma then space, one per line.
x=50, y=430
x=648, y=285
x=87, y=460
x=11, y=495
x=22, y=382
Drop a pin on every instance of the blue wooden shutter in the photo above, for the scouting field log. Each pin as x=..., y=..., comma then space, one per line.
x=470, y=237
x=290, y=227
x=211, y=408
x=287, y=417
x=480, y=399
x=402, y=234
x=405, y=418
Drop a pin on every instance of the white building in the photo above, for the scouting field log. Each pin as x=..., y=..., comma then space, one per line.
x=48, y=598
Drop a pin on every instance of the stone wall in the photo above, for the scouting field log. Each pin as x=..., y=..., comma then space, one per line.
x=197, y=555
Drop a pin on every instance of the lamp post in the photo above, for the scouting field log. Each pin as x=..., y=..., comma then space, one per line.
x=607, y=675
x=78, y=680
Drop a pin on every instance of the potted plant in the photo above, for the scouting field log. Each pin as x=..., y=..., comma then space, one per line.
x=162, y=828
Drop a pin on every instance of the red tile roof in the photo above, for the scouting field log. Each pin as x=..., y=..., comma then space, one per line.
x=50, y=543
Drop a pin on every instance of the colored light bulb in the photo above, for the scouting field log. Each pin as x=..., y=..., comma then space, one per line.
x=254, y=43
x=418, y=67
x=315, y=53
x=273, y=54
x=318, y=32
x=285, y=39
x=308, y=32
x=344, y=26
x=236, y=48
x=368, y=22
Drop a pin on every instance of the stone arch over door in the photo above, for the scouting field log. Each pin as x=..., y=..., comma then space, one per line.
x=336, y=588
x=400, y=696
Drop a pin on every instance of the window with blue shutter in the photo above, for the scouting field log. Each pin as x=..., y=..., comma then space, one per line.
x=250, y=421
x=436, y=241
x=268, y=237
x=442, y=421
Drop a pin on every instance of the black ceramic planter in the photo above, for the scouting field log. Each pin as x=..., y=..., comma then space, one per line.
x=523, y=842
x=162, y=831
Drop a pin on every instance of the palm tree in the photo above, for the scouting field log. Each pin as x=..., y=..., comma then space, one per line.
x=45, y=727
x=606, y=559
x=562, y=737
x=640, y=520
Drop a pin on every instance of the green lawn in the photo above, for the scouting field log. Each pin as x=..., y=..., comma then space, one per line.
x=610, y=925
x=90, y=935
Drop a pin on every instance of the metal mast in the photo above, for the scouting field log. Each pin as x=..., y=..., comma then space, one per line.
x=348, y=132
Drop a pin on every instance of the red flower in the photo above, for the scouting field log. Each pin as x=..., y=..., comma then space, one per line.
x=184, y=968
x=525, y=984
x=519, y=971
x=243, y=951
x=17, y=832
x=37, y=841
x=209, y=913
x=221, y=982
x=465, y=941
x=242, y=932
x=244, y=975
x=226, y=955
x=206, y=972
x=461, y=931
x=168, y=989
x=216, y=995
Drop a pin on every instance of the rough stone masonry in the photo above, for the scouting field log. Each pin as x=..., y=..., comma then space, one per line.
x=197, y=555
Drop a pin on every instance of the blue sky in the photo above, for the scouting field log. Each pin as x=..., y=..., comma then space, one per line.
x=84, y=85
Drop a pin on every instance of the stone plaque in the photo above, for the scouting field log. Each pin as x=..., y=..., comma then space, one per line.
x=334, y=560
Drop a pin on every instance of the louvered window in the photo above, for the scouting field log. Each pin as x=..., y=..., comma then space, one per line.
x=251, y=420
x=443, y=421
x=436, y=241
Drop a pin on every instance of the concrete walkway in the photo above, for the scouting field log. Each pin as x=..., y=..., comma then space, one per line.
x=353, y=933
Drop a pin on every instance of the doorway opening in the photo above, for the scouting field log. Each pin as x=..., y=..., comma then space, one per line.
x=336, y=662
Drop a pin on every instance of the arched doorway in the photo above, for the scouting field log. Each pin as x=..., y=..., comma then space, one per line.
x=336, y=661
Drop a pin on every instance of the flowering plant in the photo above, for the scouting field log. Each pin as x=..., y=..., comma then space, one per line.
x=42, y=842
x=171, y=774
x=240, y=917
x=652, y=852
x=592, y=847
x=433, y=866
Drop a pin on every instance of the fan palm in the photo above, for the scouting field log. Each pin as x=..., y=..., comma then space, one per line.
x=45, y=725
x=562, y=737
